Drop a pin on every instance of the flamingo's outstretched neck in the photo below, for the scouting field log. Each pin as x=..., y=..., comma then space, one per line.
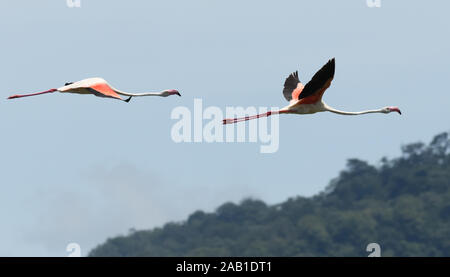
x=32, y=94
x=235, y=120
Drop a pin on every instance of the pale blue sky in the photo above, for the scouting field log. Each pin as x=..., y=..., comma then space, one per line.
x=82, y=169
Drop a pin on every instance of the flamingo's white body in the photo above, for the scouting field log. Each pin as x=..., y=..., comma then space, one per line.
x=307, y=99
x=99, y=87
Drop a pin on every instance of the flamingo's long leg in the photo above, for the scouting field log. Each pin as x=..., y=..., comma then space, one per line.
x=32, y=94
x=235, y=120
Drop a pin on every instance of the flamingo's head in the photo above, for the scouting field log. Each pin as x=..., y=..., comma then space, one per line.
x=170, y=92
x=391, y=109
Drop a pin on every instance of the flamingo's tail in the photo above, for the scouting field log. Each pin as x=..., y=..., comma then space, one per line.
x=32, y=94
x=240, y=119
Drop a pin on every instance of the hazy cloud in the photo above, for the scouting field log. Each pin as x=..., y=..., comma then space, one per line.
x=119, y=198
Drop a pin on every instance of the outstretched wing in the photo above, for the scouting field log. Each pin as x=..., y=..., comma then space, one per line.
x=292, y=87
x=97, y=86
x=103, y=90
x=319, y=82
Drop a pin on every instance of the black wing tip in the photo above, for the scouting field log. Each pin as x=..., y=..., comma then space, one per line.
x=292, y=79
x=290, y=84
x=332, y=66
x=332, y=62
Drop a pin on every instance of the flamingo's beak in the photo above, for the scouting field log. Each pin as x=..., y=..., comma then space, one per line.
x=395, y=109
x=177, y=93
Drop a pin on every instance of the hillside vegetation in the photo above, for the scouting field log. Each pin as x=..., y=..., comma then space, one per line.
x=403, y=205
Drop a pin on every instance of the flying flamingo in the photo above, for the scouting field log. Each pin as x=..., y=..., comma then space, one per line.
x=99, y=87
x=307, y=99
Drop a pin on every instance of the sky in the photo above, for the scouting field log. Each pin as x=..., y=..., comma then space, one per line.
x=82, y=169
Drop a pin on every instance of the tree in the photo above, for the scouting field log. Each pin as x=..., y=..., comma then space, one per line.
x=404, y=205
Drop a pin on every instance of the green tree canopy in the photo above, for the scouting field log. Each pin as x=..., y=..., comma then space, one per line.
x=403, y=205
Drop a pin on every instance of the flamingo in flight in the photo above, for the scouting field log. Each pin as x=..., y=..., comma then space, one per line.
x=307, y=99
x=99, y=87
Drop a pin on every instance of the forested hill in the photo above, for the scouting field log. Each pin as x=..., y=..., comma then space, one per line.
x=402, y=204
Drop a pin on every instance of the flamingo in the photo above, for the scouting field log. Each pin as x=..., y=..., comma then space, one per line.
x=307, y=99
x=98, y=87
